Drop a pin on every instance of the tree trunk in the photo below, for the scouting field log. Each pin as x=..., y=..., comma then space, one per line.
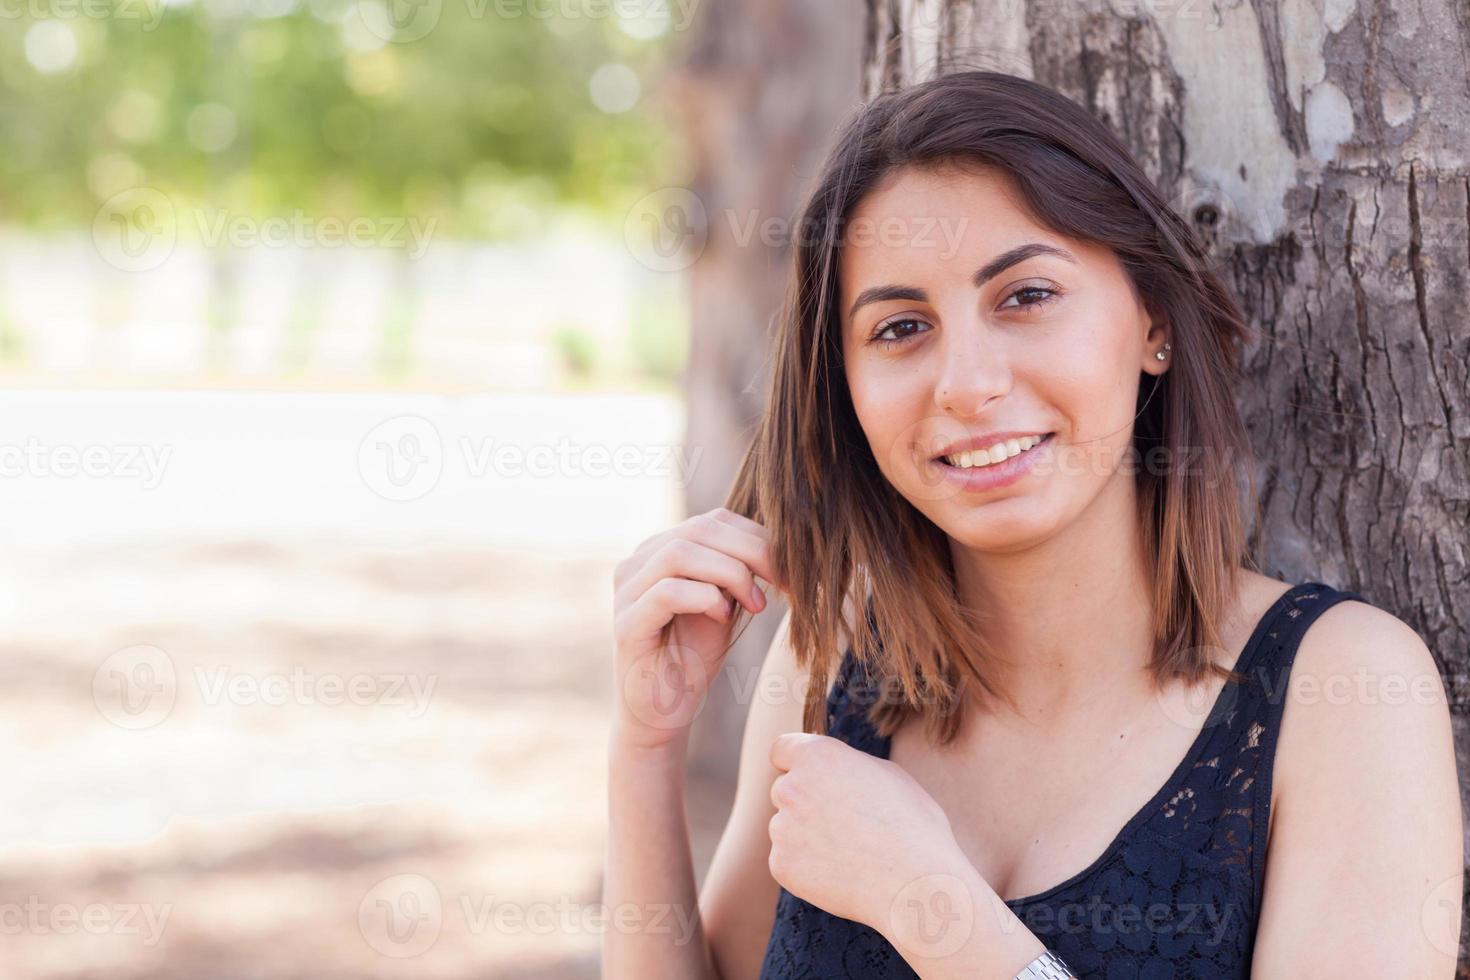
x=763, y=87
x=1321, y=148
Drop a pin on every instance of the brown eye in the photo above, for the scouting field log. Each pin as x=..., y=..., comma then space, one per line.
x=898, y=325
x=1038, y=296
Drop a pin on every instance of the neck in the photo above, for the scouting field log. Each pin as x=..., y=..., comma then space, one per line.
x=1070, y=620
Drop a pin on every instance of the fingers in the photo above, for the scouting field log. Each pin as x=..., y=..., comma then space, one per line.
x=646, y=617
x=686, y=558
x=718, y=546
x=738, y=536
x=789, y=746
x=778, y=800
x=707, y=527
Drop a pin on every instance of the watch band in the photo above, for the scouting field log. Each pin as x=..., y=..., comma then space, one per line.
x=1047, y=966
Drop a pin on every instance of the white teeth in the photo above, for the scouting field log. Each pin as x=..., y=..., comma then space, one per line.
x=998, y=453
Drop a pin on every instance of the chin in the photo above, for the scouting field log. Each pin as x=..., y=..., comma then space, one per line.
x=996, y=533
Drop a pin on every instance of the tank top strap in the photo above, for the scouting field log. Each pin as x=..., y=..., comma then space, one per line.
x=1296, y=610
x=1249, y=712
x=1250, y=709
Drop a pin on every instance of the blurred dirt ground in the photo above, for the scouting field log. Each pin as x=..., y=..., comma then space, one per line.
x=492, y=794
x=368, y=759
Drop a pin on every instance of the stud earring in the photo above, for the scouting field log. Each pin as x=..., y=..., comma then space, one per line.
x=1160, y=354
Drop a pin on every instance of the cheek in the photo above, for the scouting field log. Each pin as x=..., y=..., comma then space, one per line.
x=872, y=400
x=885, y=401
x=1092, y=377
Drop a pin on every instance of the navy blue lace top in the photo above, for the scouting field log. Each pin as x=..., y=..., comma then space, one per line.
x=1176, y=893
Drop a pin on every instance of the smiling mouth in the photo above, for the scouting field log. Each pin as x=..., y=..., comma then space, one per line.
x=993, y=455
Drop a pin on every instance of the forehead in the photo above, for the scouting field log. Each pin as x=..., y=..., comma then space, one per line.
x=945, y=190
x=939, y=186
x=930, y=224
x=925, y=215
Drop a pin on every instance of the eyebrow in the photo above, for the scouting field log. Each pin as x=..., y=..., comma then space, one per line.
x=991, y=269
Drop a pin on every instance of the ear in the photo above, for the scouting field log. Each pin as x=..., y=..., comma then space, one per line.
x=1154, y=339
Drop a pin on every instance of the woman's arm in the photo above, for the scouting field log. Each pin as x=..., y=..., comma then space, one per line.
x=672, y=617
x=738, y=901
x=649, y=854
x=652, y=927
x=1365, y=865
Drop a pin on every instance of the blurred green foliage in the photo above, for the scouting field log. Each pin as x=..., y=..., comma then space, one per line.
x=659, y=338
x=485, y=124
x=576, y=349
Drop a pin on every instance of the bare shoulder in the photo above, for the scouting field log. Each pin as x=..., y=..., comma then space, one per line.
x=1364, y=691
x=1362, y=658
x=1255, y=594
x=1366, y=833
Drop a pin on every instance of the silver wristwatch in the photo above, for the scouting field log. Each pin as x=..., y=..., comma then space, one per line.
x=1047, y=966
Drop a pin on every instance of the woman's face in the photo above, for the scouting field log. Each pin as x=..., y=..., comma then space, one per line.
x=993, y=325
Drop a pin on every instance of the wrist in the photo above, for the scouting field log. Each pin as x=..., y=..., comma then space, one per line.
x=636, y=745
x=934, y=906
x=952, y=924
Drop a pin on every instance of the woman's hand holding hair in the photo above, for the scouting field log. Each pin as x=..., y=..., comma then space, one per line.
x=672, y=612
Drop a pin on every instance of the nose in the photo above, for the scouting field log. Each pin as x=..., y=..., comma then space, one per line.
x=974, y=369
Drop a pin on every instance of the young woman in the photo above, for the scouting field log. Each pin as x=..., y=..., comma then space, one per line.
x=1028, y=713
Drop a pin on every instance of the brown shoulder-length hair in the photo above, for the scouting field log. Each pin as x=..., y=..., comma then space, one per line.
x=847, y=547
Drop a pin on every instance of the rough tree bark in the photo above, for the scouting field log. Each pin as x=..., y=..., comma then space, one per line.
x=1323, y=149
x=763, y=86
